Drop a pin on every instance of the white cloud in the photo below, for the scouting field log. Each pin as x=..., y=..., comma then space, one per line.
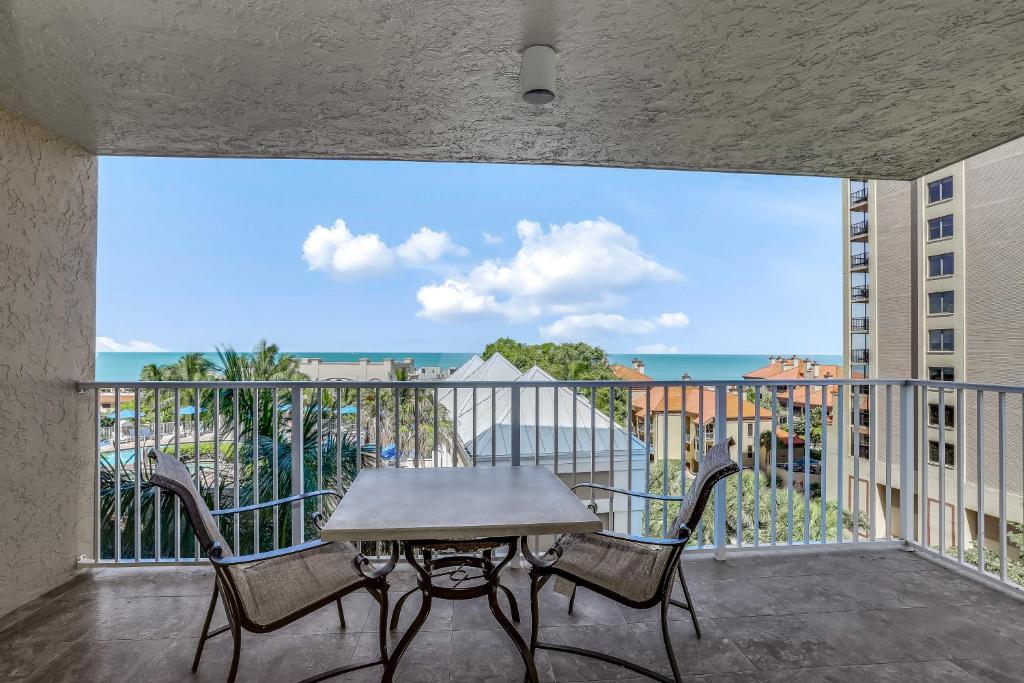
x=656, y=348
x=673, y=320
x=339, y=252
x=580, y=326
x=109, y=344
x=567, y=269
x=427, y=246
x=493, y=239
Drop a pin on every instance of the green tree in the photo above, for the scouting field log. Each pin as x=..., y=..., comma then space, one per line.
x=658, y=515
x=569, y=361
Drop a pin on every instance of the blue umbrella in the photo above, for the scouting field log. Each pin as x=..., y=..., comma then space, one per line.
x=189, y=410
x=389, y=452
x=129, y=414
x=348, y=410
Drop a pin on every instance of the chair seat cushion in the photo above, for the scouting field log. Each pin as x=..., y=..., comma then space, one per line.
x=276, y=588
x=624, y=567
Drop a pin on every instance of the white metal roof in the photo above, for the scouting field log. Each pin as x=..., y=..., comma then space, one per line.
x=487, y=430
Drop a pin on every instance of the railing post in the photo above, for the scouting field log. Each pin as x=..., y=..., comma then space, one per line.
x=515, y=454
x=720, y=437
x=908, y=429
x=298, y=479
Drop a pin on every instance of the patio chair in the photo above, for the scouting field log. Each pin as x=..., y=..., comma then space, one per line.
x=636, y=571
x=266, y=591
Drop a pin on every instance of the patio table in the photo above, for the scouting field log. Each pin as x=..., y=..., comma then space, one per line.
x=465, y=510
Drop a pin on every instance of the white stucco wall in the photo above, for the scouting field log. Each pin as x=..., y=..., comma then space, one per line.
x=47, y=343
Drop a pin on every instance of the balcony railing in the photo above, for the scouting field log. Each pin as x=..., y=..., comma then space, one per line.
x=859, y=292
x=859, y=228
x=859, y=324
x=858, y=197
x=859, y=355
x=859, y=261
x=237, y=439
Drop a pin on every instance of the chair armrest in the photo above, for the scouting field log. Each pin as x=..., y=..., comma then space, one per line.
x=544, y=561
x=272, y=503
x=627, y=492
x=649, y=540
x=214, y=553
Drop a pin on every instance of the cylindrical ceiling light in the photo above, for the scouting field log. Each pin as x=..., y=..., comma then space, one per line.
x=537, y=75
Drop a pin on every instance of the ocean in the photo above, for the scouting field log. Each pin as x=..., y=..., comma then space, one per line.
x=125, y=366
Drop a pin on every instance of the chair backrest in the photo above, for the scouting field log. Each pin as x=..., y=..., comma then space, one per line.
x=716, y=465
x=171, y=475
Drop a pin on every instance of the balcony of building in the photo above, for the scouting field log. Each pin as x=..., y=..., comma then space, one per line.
x=859, y=324
x=859, y=200
x=796, y=595
x=859, y=229
x=841, y=567
x=859, y=293
x=859, y=355
x=852, y=613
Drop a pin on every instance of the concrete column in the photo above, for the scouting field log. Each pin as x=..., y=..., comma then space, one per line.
x=47, y=344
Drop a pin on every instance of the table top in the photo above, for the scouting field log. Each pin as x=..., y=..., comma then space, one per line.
x=460, y=503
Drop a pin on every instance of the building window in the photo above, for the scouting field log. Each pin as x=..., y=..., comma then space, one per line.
x=940, y=189
x=940, y=227
x=940, y=264
x=940, y=374
x=750, y=429
x=933, y=415
x=940, y=340
x=933, y=453
x=940, y=302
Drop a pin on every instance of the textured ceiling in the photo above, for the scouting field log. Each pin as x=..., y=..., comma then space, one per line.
x=875, y=88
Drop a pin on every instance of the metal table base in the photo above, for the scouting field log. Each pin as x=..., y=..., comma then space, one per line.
x=470, y=576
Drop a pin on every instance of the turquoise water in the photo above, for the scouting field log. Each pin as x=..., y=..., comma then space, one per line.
x=120, y=366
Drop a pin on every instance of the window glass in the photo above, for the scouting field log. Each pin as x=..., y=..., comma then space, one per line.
x=940, y=189
x=940, y=374
x=940, y=340
x=940, y=302
x=933, y=415
x=940, y=227
x=933, y=453
x=940, y=264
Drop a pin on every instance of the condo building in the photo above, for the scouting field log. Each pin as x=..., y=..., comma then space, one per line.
x=933, y=289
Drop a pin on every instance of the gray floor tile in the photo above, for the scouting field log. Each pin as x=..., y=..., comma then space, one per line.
x=427, y=660
x=110, y=661
x=951, y=634
x=914, y=672
x=1005, y=618
x=490, y=656
x=782, y=642
x=713, y=652
x=20, y=660
x=996, y=669
x=869, y=637
x=618, y=640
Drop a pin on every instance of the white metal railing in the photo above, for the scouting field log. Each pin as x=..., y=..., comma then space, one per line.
x=841, y=476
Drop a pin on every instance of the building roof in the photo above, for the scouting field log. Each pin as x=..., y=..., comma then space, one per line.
x=708, y=85
x=794, y=368
x=798, y=396
x=629, y=374
x=539, y=424
x=693, y=403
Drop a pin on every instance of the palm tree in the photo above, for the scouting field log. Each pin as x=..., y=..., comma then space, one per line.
x=415, y=406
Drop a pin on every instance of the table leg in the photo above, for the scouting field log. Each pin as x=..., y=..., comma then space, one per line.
x=493, y=581
x=421, y=616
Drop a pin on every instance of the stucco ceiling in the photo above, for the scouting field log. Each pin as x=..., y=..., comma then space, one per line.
x=876, y=88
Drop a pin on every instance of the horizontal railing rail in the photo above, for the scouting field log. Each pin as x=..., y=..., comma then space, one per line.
x=822, y=461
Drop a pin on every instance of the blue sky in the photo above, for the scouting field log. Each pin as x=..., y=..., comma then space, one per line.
x=195, y=253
